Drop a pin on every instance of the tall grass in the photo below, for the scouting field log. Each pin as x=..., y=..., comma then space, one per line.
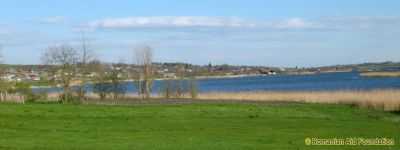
x=383, y=99
x=380, y=74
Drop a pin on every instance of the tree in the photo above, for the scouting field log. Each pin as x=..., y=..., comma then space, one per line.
x=193, y=88
x=86, y=55
x=177, y=88
x=64, y=57
x=110, y=85
x=167, y=89
x=3, y=84
x=1, y=56
x=144, y=71
x=178, y=84
x=102, y=88
x=1, y=65
x=118, y=87
x=23, y=90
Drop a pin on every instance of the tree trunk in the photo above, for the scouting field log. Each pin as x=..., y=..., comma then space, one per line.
x=81, y=92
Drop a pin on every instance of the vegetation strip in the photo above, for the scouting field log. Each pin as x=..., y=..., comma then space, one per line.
x=380, y=74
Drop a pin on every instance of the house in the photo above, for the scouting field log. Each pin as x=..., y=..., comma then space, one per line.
x=268, y=71
x=34, y=76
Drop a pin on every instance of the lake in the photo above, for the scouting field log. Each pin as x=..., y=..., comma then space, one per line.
x=313, y=82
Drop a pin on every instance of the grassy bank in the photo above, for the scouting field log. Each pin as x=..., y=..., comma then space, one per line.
x=380, y=74
x=202, y=126
x=384, y=99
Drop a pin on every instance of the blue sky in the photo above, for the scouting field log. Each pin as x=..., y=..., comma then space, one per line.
x=253, y=32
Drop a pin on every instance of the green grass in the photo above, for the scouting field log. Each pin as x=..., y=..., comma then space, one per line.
x=191, y=126
x=379, y=66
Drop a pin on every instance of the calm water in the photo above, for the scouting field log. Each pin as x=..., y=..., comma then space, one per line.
x=315, y=82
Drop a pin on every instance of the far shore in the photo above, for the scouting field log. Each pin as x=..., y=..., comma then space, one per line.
x=78, y=82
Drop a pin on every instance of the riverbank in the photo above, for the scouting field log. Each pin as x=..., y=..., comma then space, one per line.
x=380, y=74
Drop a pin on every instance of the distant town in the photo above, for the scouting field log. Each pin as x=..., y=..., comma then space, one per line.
x=39, y=73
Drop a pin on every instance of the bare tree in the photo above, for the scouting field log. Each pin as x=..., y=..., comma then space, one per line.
x=86, y=52
x=144, y=72
x=1, y=56
x=138, y=72
x=178, y=87
x=3, y=87
x=193, y=88
x=1, y=59
x=64, y=57
x=7, y=88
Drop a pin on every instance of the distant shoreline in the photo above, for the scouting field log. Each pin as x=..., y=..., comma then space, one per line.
x=78, y=82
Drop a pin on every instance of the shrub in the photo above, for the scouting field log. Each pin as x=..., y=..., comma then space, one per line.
x=24, y=90
x=67, y=97
x=166, y=89
x=178, y=91
x=110, y=85
x=102, y=89
x=179, y=88
x=31, y=97
x=193, y=88
x=43, y=95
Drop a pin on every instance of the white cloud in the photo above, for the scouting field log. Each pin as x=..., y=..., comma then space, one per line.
x=52, y=20
x=184, y=21
x=363, y=18
x=296, y=23
x=128, y=42
x=4, y=29
x=324, y=23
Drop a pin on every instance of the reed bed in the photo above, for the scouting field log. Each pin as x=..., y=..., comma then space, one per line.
x=380, y=74
x=382, y=99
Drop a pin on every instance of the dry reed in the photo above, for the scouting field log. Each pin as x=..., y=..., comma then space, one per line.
x=380, y=74
x=382, y=99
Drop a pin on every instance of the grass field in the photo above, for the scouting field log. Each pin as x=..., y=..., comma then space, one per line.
x=190, y=126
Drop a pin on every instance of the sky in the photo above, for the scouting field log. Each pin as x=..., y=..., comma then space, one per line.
x=282, y=33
